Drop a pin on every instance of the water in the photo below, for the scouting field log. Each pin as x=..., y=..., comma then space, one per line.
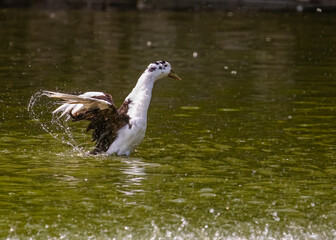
x=242, y=148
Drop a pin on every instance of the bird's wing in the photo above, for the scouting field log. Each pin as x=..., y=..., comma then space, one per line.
x=76, y=105
x=97, y=107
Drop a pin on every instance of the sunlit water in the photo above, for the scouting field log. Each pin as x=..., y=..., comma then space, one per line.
x=242, y=148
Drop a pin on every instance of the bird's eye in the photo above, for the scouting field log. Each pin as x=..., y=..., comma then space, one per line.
x=152, y=69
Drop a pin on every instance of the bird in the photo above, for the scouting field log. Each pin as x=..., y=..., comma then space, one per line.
x=115, y=130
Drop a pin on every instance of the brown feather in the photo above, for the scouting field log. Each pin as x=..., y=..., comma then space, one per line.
x=105, y=123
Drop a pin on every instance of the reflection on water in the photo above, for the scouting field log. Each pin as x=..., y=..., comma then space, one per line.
x=242, y=148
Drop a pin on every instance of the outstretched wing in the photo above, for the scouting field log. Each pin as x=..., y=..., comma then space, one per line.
x=75, y=105
x=98, y=108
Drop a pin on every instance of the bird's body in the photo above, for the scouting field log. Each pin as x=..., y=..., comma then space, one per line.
x=115, y=130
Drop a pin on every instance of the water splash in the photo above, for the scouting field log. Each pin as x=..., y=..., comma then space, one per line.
x=56, y=127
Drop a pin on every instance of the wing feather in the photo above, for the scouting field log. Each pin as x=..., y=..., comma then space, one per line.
x=77, y=104
x=98, y=108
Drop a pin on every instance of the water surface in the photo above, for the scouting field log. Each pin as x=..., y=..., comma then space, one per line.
x=242, y=148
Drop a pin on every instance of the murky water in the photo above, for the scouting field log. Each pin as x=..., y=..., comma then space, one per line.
x=243, y=148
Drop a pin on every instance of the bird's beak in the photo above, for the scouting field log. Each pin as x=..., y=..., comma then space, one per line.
x=173, y=75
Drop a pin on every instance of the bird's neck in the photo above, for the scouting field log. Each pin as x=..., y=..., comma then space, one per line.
x=140, y=96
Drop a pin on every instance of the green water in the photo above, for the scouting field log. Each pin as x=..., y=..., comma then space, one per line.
x=243, y=148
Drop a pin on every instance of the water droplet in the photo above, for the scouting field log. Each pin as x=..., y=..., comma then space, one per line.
x=299, y=8
x=230, y=14
x=184, y=221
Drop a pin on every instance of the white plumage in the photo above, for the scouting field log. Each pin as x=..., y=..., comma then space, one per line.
x=115, y=130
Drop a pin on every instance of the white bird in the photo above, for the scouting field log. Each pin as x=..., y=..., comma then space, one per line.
x=115, y=130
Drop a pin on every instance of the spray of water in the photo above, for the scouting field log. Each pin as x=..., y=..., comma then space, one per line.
x=56, y=127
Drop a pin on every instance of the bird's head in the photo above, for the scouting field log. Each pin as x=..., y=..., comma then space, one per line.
x=161, y=69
